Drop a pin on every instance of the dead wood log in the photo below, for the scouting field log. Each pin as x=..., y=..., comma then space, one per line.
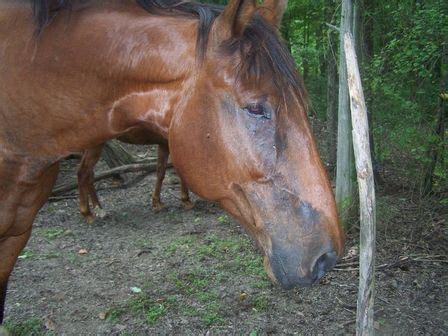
x=363, y=160
x=130, y=168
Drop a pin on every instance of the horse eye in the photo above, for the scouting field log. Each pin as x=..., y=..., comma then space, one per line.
x=255, y=109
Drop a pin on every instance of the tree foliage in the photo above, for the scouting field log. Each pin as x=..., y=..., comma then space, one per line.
x=401, y=50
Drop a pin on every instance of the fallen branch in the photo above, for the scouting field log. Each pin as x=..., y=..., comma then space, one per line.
x=61, y=198
x=130, y=168
x=348, y=266
x=332, y=26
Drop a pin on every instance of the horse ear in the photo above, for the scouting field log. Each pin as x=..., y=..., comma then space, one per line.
x=272, y=11
x=238, y=13
x=235, y=17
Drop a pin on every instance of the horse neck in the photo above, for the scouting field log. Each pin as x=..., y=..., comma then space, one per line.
x=148, y=61
x=107, y=69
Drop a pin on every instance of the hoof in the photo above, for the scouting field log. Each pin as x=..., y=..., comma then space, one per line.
x=188, y=205
x=90, y=219
x=100, y=212
x=157, y=206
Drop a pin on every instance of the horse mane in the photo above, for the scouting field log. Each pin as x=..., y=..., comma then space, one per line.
x=261, y=49
x=44, y=10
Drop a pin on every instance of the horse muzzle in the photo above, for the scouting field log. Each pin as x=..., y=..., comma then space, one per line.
x=285, y=269
x=300, y=242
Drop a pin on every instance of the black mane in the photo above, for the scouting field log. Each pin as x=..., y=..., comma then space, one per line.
x=44, y=10
x=261, y=50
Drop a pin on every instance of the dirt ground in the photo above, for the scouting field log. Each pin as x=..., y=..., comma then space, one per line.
x=195, y=272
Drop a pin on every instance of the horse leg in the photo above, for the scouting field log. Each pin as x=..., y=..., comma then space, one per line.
x=86, y=183
x=184, y=196
x=25, y=187
x=13, y=246
x=162, y=159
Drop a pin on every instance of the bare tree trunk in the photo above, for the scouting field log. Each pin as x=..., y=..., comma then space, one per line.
x=436, y=148
x=345, y=184
x=331, y=71
x=364, y=318
x=332, y=118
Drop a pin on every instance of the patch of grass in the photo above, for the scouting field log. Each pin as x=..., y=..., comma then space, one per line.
x=206, y=297
x=223, y=219
x=52, y=233
x=216, y=247
x=155, y=311
x=115, y=314
x=262, y=283
x=261, y=302
x=212, y=315
x=181, y=244
x=32, y=326
x=187, y=310
x=25, y=254
x=207, y=262
x=50, y=255
x=143, y=306
x=139, y=304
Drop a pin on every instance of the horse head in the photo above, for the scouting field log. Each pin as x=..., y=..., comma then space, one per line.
x=241, y=138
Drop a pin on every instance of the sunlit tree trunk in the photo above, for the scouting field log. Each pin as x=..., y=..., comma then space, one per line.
x=332, y=118
x=345, y=173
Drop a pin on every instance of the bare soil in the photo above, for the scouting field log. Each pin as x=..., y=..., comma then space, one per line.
x=195, y=272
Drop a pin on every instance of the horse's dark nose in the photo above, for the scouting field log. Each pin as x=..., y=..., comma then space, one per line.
x=289, y=269
x=323, y=264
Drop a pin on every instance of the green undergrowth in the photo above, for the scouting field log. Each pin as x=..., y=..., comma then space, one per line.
x=31, y=327
x=199, y=282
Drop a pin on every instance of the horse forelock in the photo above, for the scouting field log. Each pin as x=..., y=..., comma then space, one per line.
x=263, y=55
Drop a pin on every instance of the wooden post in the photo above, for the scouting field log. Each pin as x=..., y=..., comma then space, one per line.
x=364, y=318
x=345, y=171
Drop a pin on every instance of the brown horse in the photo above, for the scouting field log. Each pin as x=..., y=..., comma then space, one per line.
x=86, y=186
x=219, y=85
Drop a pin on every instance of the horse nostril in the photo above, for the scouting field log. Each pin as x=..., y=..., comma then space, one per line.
x=324, y=264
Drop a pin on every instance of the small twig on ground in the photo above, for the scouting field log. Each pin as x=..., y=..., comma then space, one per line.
x=60, y=198
x=141, y=252
x=345, y=324
x=347, y=266
x=381, y=299
x=346, y=305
